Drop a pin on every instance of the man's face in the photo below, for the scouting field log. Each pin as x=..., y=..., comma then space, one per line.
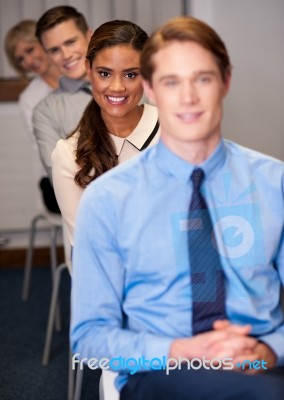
x=67, y=47
x=188, y=89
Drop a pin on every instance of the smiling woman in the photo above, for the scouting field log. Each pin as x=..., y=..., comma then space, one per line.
x=26, y=55
x=28, y=58
x=117, y=89
x=115, y=126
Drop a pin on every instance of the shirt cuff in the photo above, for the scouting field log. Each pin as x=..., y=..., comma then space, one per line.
x=275, y=340
x=158, y=349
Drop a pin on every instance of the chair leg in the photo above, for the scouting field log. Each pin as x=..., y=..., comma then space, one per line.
x=71, y=374
x=101, y=387
x=78, y=383
x=53, y=248
x=53, y=258
x=52, y=313
x=29, y=257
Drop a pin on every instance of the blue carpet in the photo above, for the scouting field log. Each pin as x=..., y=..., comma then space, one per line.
x=22, y=335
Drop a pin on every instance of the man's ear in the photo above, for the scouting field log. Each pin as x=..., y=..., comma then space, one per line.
x=89, y=34
x=227, y=84
x=149, y=91
x=88, y=69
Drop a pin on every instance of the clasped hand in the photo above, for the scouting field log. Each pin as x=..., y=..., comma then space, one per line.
x=226, y=340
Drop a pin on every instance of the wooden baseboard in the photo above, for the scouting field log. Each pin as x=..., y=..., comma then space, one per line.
x=16, y=258
x=10, y=89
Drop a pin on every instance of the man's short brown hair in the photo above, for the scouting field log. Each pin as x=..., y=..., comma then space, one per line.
x=56, y=15
x=183, y=29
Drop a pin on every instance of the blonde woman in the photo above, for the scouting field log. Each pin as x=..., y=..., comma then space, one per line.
x=29, y=59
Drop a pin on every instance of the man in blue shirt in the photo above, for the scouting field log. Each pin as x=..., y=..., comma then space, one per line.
x=132, y=296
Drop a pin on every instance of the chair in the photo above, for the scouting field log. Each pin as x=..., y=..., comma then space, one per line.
x=54, y=223
x=107, y=389
x=55, y=294
x=74, y=388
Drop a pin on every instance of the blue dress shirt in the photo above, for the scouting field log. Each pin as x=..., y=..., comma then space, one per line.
x=131, y=292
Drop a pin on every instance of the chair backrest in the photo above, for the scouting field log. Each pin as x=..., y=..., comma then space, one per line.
x=107, y=388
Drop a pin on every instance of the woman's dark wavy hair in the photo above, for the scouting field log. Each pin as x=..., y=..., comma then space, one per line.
x=95, y=152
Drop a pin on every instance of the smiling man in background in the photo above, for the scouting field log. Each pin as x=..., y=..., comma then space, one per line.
x=64, y=34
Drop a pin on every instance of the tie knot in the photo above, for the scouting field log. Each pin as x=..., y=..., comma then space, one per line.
x=86, y=89
x=197, y=177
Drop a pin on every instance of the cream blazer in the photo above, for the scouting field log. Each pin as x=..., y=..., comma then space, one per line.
x=64, y=167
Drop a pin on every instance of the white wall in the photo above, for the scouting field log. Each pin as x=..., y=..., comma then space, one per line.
x=253, y=31
x=20, y=197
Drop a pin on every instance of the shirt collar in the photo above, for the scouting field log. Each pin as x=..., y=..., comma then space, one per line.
x=215, y=161
x=182, y=169
x=137, y=137
x=72, y=85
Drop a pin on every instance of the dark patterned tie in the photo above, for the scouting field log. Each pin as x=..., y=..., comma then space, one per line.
x=207, y=277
